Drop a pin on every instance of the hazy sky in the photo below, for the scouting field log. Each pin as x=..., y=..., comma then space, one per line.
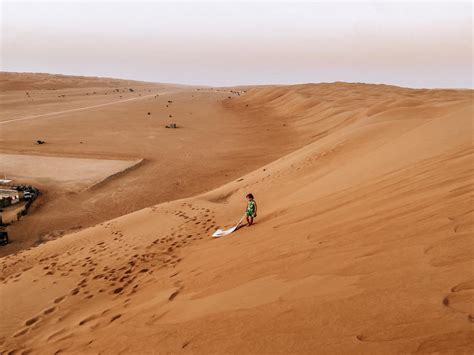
x=417, y=44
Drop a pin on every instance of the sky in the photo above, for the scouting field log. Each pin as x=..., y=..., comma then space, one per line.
x=415, y=44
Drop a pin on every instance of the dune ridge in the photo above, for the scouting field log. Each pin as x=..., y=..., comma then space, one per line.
x=120, y=121
x=12, y=81
x=362, y=244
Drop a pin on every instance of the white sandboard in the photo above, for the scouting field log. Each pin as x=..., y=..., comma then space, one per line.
x=222, y=232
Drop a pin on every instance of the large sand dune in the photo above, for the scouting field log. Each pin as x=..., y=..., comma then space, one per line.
x=362, y=244
x=95, y=118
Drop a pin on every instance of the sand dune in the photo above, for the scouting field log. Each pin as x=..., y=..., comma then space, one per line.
x=362, y=244
x=102, y=119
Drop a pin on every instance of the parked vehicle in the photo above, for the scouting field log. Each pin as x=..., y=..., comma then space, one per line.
x=4, y=237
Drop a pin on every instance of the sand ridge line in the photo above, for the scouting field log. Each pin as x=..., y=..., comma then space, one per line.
x=81, y=108
x=106, y=179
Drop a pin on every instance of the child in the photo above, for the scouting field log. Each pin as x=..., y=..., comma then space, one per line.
x=251, y=211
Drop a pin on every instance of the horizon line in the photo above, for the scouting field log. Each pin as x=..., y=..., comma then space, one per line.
x=240, y=85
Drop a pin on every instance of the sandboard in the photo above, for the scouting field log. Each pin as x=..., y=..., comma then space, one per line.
x=223, y=232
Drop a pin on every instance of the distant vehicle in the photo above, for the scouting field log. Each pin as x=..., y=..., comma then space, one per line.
x=4, y=237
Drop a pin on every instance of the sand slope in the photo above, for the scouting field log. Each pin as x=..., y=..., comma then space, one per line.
x=101, y=119
x=363, y=244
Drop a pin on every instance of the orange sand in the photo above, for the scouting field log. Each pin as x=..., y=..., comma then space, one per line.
x=362, y=244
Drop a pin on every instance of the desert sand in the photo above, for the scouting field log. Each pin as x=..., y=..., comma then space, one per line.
x=362, y=244
x=213, y=145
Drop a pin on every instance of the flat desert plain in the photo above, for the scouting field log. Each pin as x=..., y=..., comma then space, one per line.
x=363, y=241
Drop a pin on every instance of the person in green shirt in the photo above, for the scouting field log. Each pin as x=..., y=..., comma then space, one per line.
x=251, y=211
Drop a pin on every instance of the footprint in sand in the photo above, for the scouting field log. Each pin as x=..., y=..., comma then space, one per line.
x=461, y=298
x=185, y=344
x=174, y=294
x=21, y=332
x=59, y=299
x=56, y=334
x=115, y=317
x=87, y=320
x=32, y=321
x=49, y=310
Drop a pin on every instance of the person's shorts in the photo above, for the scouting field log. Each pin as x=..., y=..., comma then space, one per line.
x=250, y=213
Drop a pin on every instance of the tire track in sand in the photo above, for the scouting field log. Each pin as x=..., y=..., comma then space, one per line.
x=81, y=108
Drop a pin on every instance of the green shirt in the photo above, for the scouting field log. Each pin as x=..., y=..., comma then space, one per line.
x=251, y=207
